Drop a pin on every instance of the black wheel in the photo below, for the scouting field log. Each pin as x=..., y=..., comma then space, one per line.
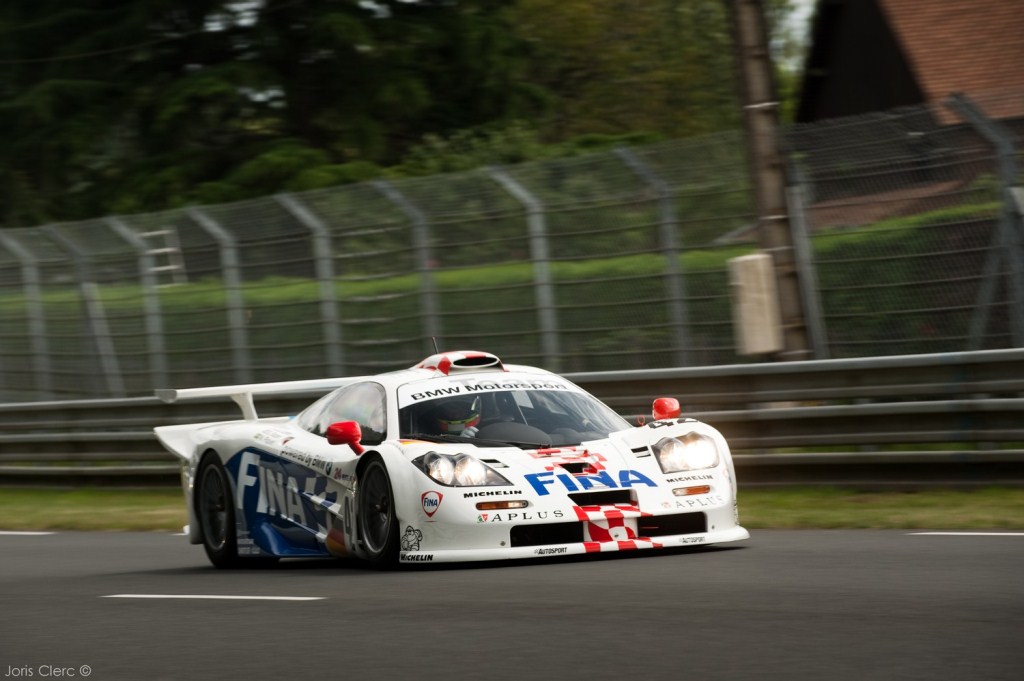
x=216, y=512
x=378, y=527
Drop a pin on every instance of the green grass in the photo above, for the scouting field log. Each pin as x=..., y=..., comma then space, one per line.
x=784, y=508
x=92, y=509
x=823, y=507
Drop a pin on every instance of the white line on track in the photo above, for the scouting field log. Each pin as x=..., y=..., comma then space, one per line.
x=970, y=534
x=8, y=533
x=215, y=597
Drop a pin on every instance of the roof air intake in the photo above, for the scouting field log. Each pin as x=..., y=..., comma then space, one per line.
x=462, y=361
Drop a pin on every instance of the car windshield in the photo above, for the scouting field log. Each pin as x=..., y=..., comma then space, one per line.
x=524, y=418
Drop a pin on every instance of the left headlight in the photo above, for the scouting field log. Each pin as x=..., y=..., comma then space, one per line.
x=458, y=470
x=688, y=452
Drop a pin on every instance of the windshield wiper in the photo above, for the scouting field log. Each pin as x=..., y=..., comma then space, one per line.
x=481, y=441
x=526, y=445
x=434, y=437
x=455, y=439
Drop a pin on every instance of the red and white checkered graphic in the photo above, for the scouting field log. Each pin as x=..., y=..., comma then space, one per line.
x=555, y=457
x=613, y=528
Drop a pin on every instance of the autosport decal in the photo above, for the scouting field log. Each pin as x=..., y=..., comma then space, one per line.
x=552, y=551
x=577, y=483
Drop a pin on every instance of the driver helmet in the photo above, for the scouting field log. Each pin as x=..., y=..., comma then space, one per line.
x=458, y=414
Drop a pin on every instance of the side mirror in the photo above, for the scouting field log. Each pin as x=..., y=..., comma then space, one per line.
x=346, y=433
x=666, y=408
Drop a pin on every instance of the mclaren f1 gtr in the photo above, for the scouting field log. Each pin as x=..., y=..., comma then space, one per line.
x=459, y=458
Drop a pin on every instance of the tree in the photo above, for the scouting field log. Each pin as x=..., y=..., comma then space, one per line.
x=617, y=66
x=126, y=106
x=113, y=106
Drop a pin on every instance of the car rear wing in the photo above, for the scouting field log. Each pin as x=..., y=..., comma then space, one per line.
x=242, y=394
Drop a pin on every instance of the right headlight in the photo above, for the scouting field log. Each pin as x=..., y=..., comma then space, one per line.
x=458, y=470
x=689, y=452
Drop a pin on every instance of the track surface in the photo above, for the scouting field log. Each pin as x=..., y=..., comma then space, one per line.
x=829, y=605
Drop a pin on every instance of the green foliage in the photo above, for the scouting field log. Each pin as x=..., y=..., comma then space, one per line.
x=277, y=166
x=663, y=67
x=144, y=106
x=880, y=283
x=330, y=175
x=469, y=149
x=126, y=106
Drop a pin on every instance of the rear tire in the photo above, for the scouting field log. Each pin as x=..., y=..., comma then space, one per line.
x=378, y=526
x=215, y=509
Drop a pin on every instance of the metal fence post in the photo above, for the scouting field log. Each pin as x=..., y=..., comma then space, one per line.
x=808, y=273
x=543, y=285
x=1009, y=247
x=675, y=281
x=150, y=301
x=36, y=315
x=96, y=316
x=424, y=261
x=323, y=256
x=233, y=290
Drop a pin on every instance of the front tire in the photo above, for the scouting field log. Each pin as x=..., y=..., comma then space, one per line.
x=216, y=513
x=378, y=526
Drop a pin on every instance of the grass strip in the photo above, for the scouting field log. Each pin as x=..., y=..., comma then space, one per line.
x=92, y=509
x=1000, y=508
x=163, y=510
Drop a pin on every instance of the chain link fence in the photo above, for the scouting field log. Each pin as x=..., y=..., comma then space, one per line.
x=608, y=261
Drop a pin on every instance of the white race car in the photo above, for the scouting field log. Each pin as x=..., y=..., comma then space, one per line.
x=460, y=458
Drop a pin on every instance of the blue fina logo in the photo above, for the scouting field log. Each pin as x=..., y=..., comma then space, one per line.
x=602, y=480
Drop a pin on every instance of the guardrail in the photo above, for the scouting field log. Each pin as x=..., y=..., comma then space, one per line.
x=944, y=419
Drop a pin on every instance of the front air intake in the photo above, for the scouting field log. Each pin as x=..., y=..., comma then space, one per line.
x=676, y=523
x=543, y=535
x=610, y=497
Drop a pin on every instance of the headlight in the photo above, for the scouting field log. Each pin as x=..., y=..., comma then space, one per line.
x=688, y=452
x=458, y=470
x=440, y=468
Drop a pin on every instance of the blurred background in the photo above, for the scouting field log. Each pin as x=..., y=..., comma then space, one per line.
x=200, y=193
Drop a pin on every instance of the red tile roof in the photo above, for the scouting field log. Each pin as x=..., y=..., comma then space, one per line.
x=970, y=46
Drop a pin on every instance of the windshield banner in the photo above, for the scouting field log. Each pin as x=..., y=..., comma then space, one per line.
x=420, y=391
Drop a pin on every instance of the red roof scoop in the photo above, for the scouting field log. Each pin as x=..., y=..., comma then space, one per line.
x=461, y=361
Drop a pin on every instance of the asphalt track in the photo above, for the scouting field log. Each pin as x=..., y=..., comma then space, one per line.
x=830, y=605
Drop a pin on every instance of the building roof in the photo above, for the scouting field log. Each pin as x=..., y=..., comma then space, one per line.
x=975, y=47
